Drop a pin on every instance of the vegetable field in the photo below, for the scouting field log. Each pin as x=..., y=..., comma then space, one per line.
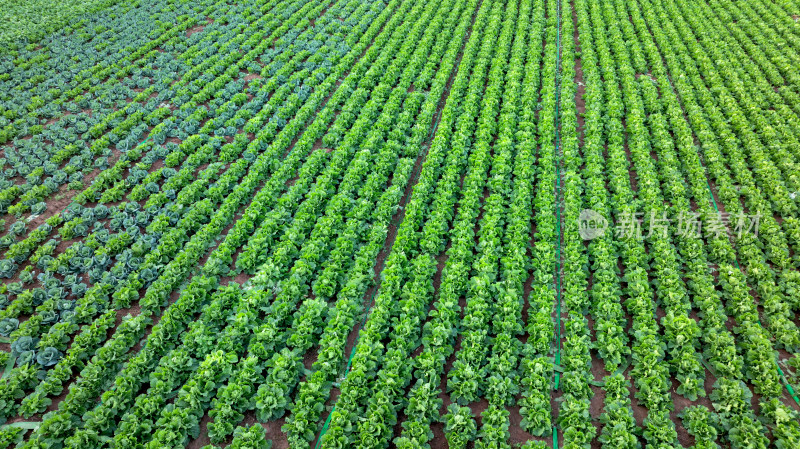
x=358, y=224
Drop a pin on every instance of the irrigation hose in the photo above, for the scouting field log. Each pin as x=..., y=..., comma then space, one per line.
x=349, y=364
x=558, y=161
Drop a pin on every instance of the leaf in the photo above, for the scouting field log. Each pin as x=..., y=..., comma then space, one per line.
x=9, y=367
x=24, y=425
